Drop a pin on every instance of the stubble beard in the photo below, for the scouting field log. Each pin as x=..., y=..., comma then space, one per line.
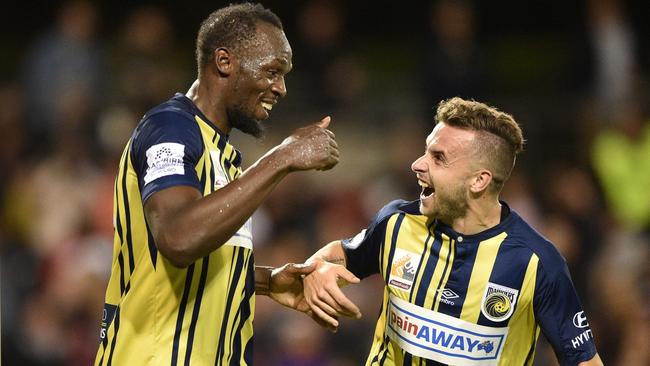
x=246, y=124
x=451, y=207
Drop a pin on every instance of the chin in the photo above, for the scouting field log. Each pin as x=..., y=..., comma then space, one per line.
x=249, y=125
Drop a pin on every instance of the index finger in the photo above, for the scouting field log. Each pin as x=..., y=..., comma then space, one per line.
x=348, y=308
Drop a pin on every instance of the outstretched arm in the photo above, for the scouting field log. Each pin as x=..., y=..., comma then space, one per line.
x=322, y=286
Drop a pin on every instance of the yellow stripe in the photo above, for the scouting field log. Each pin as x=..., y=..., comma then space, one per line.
x=390, y=226
x=483, y=264
x=523, y=329
x=445, y=249
x=378, y=339
x=450, y=264
x=420, y=245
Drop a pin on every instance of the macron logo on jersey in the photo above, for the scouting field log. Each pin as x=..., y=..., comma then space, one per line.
x=164, y=159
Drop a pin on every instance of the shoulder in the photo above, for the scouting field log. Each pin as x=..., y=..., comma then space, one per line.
x=398, y=207
x=171, y=121
x=524, y=235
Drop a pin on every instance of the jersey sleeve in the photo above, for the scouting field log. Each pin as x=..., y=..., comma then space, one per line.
x=165, y=150
x=362, y=251
x=560, y=315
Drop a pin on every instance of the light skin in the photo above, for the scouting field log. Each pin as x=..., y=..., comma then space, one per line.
x=454, y=190
x=187, y=226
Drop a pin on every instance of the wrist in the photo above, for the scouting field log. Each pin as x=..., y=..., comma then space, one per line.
x=263, y=280
x=278, y=159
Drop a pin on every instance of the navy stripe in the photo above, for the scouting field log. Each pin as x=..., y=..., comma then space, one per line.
x=244, y=311
x=393, y=245
x=120, y=259
x=231, y=293
x=197, y=309
x=203, y=175
x=509, y=270
x=448, y=262
x=462, y=271
x=181, y=314
x=127, y=211
x=118, y=220
x=248, y=352
x=429, y=268
x=417, y=272
x=385, y=347
x=221, y=144
x=434, y=363
x=117, y=328
x=237, y=160
x=153, y=249
x=408, y=359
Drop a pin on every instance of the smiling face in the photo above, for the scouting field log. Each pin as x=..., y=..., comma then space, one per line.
x=444, y=172
x=259, y=79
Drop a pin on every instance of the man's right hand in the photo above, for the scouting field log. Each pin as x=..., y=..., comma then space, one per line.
x=310, y=147
x=322, y=293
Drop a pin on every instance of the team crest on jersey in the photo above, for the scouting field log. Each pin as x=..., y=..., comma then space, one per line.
x=402, y=270
x=498, y=302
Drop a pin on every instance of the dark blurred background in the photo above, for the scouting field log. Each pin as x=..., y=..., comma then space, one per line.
x=75, y=77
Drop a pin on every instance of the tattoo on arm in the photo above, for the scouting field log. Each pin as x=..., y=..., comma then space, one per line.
x=335, y=260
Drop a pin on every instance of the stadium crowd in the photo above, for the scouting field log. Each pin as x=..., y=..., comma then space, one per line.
x=580, y=92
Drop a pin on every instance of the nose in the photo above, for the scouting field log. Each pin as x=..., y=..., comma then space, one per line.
x=418, y=165
x=279, y=88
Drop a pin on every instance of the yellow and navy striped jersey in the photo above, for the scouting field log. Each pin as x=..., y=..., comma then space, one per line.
x=155, y=313
x=467, y=300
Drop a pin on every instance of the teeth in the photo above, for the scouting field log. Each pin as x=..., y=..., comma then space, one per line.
x=423, y=184
x=267, y=106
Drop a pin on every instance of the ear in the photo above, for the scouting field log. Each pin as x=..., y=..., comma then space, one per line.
x=480, y=181
x=224, y=61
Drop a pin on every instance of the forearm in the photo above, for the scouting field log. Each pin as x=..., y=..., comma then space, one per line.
x=332, y=253
x=200, y=226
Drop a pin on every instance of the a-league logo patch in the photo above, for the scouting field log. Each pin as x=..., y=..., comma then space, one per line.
x=498, y=302
x=403, y=268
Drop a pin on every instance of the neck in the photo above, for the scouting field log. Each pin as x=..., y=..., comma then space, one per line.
x=482, y=214
x=209, y=101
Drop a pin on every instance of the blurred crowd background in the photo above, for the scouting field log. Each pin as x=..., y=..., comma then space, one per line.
x=76, y=76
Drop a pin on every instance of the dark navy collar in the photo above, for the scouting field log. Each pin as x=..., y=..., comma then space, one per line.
x=508, y=217
x=182, y=98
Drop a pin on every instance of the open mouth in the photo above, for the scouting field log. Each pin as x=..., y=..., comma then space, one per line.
x=427, y=191
x=267, y=106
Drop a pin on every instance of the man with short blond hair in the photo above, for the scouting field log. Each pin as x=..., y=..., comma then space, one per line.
x=467, y=281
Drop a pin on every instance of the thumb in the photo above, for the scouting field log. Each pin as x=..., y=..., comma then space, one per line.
x=348, y=276
x=302, y=268
x=325, y=122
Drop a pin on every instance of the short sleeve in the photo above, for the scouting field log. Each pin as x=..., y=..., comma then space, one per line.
x=560, y=315
x=165, y=150
x=362, y=251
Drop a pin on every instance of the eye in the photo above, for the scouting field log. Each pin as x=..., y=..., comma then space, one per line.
x=439, y=158
x=273, y=73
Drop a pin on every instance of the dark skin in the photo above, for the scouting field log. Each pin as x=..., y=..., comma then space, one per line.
x=187, y=226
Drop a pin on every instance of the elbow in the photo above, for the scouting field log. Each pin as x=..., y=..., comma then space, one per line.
x=177, y=251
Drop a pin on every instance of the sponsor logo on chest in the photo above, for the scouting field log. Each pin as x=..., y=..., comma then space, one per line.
x=443, y=338
x=220, y=177
x=403, y=269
